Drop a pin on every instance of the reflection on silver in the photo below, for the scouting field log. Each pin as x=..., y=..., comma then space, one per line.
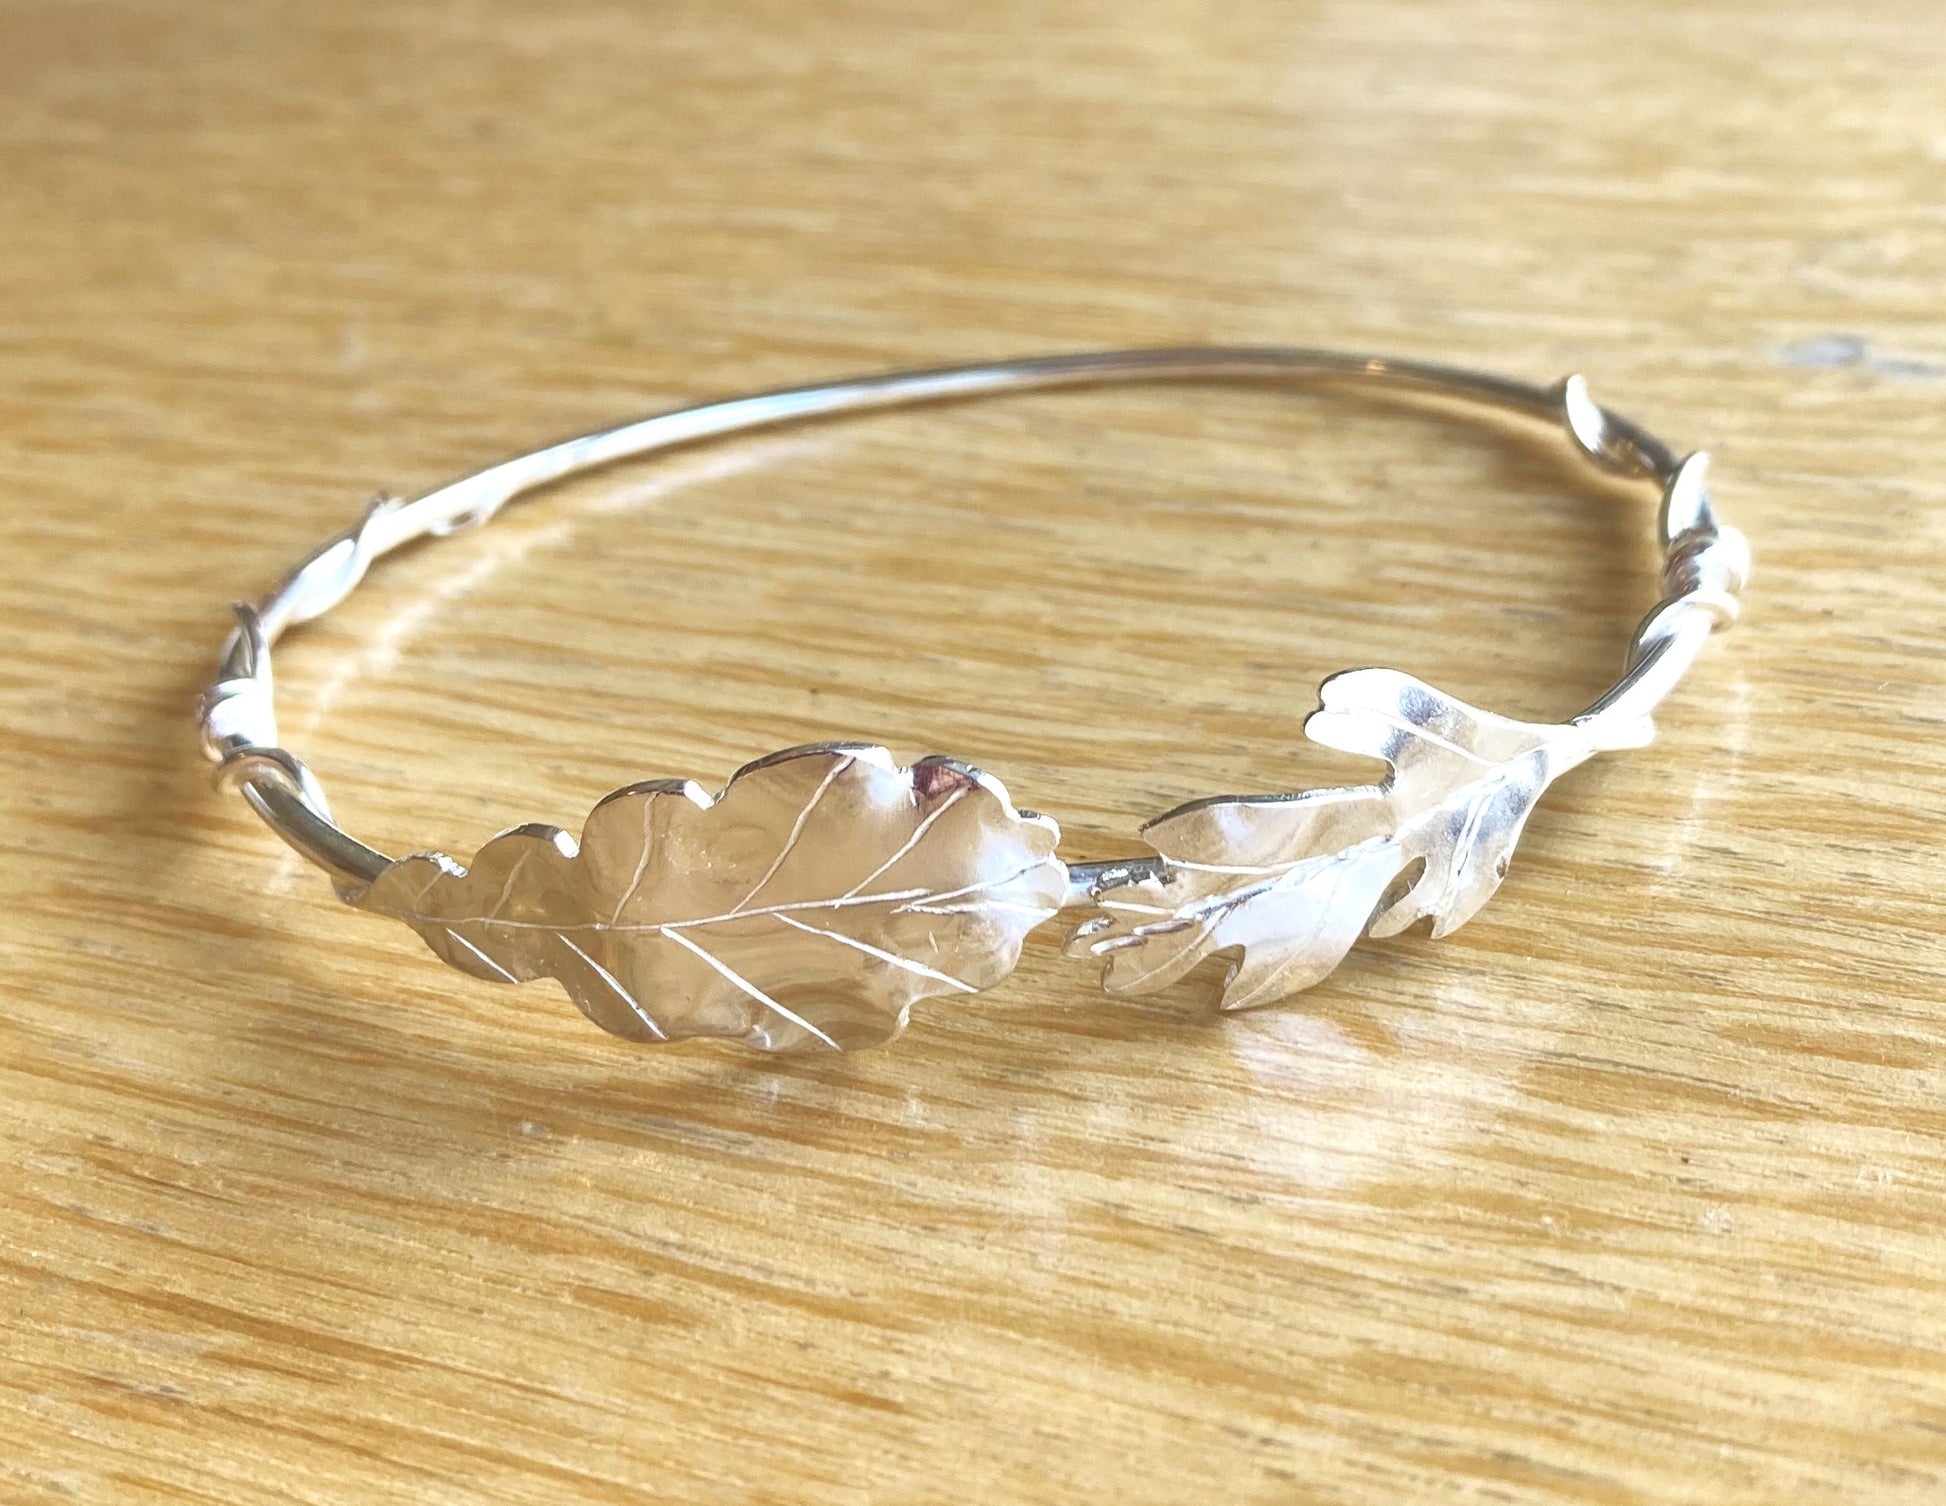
x=641, y=923
x=810, y=904
x=1289, y=882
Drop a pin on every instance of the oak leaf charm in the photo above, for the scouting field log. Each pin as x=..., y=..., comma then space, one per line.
x=1286, y=884
x=809, y=905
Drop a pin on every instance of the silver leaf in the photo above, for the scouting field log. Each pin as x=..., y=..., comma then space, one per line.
x=810, y=904
x=1289, y=883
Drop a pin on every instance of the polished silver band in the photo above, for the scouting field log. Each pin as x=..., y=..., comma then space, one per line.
x=1705, y=563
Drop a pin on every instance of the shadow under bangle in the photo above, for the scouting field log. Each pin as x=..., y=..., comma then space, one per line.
x=826, y=889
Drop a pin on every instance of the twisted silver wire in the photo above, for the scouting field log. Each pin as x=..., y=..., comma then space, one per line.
x=1706, y=564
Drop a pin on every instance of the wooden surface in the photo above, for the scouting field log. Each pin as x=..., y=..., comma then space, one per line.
x=1632, y=1191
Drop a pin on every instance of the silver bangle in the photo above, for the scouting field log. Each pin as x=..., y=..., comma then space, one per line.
x=826, y=889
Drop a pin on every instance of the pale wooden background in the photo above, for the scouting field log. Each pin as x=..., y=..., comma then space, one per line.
x=1633, y=1191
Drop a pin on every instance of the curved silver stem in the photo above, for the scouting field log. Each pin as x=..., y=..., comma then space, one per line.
x=1706, y=564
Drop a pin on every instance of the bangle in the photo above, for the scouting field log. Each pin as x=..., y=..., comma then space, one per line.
x=826, y=888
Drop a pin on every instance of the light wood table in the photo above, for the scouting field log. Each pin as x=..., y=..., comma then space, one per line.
x=1635, y=1190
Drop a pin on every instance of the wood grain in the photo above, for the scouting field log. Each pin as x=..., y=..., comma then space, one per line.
x=1631, y=1191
